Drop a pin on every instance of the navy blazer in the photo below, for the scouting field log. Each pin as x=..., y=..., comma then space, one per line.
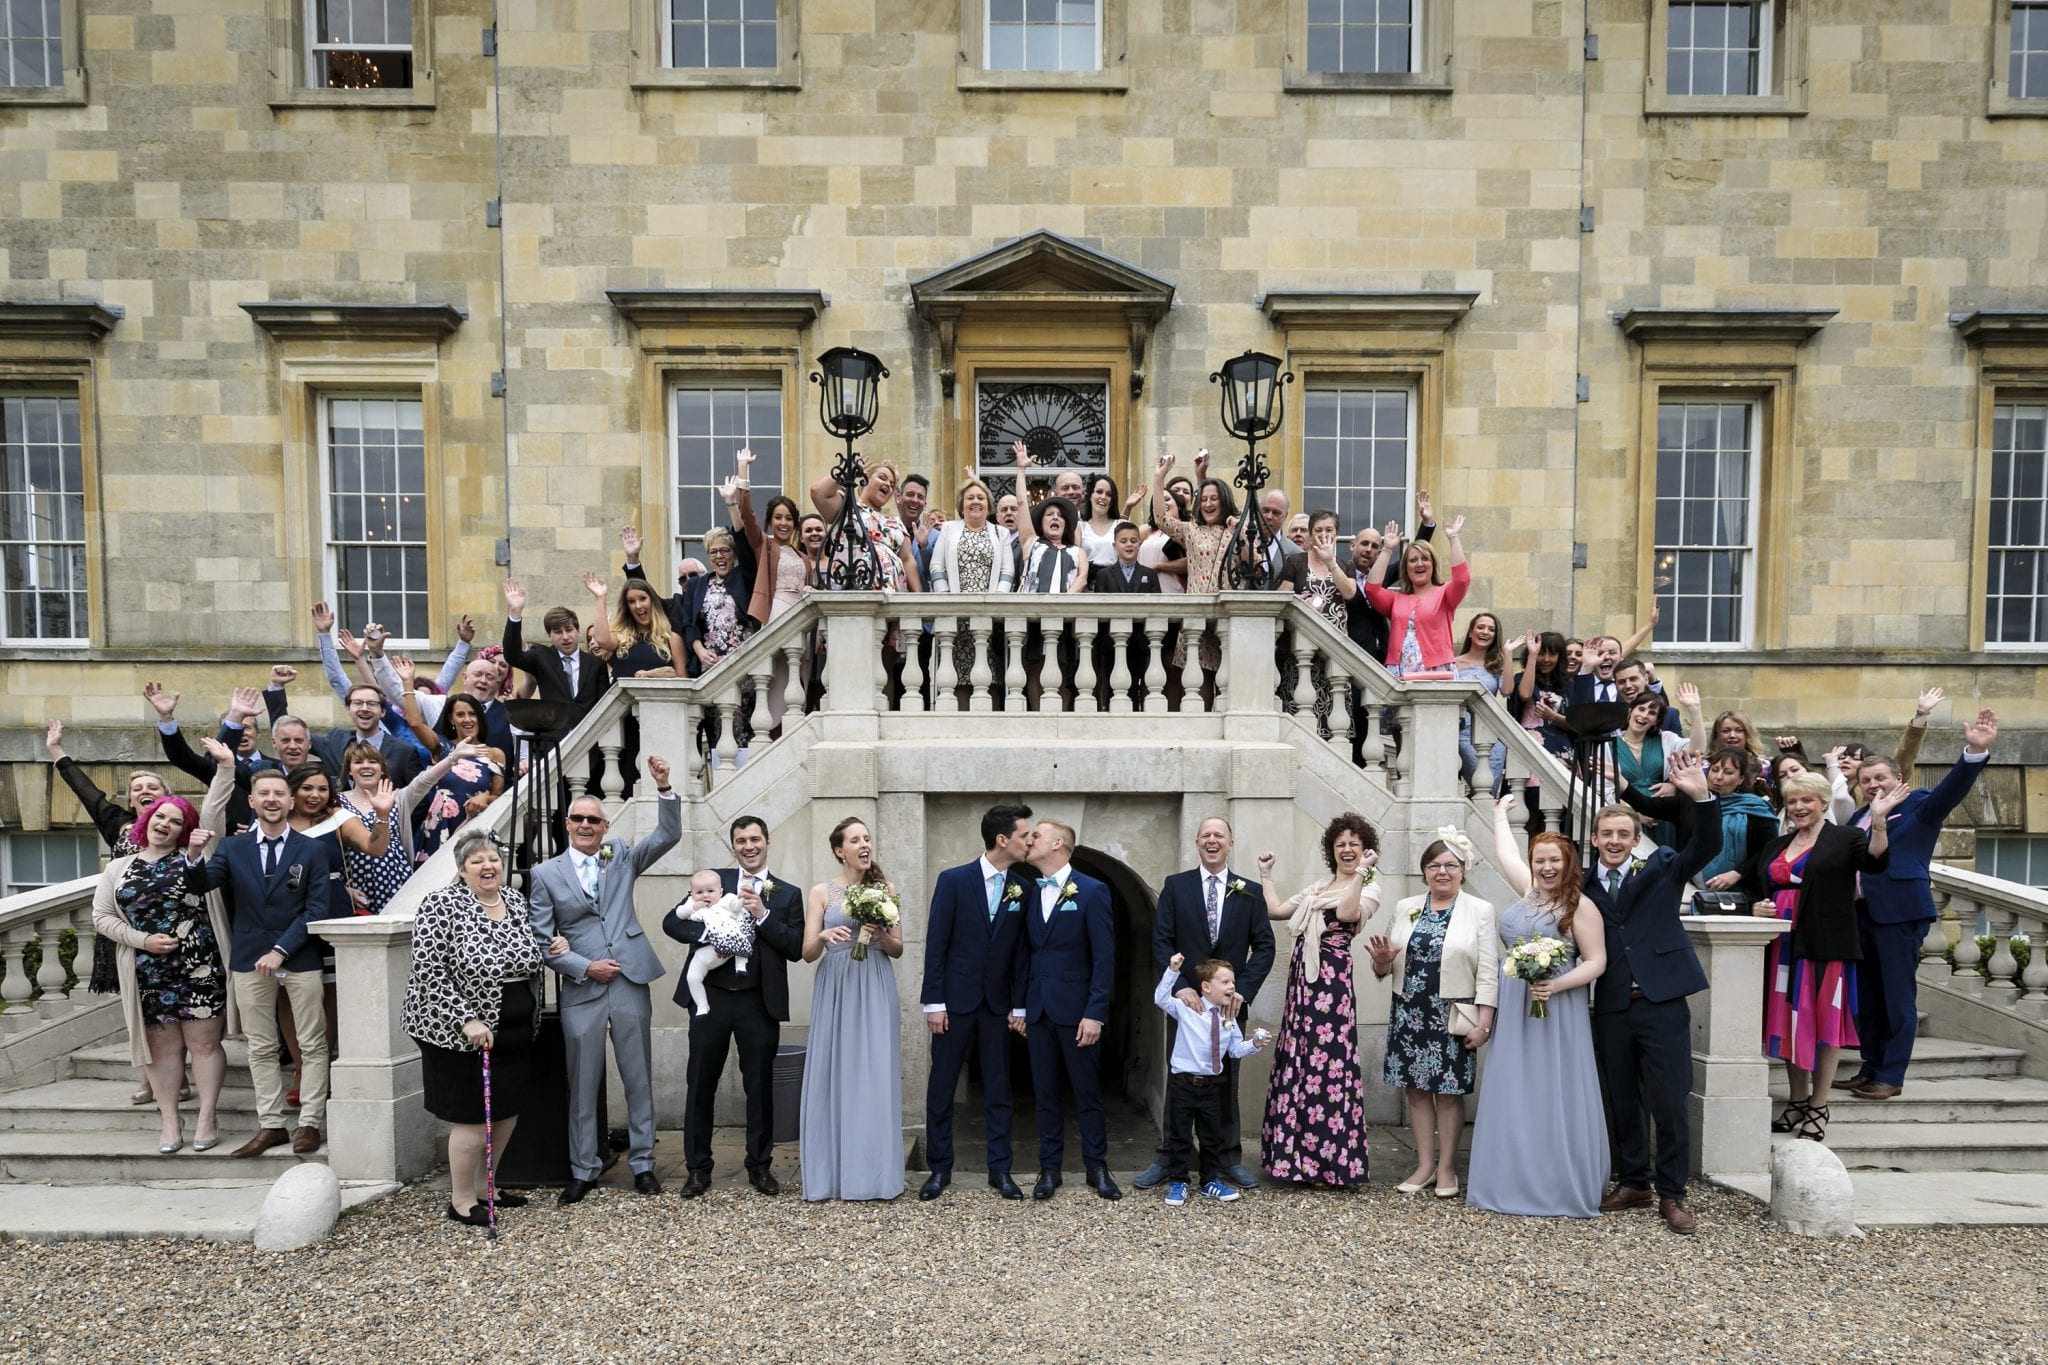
x=971, y=960
x=1110, y=578
x=551, y=680
x=1647, y=947
x=1072, y=961
x=1900, y=894
x=1580, y=691
x=1180, y=924
x=782, y=934
x=270, y=912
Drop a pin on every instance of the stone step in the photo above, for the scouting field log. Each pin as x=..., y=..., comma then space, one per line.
x=109, y=1062
x=1933, y=1198
x=76, y=1105
x=1959, y=1099
x=115, y=1157
x=1940, y=1146
x=205, y=1210
x=1946, y=1058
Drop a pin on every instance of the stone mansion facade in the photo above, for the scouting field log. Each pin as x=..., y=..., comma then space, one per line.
x=1739, y=310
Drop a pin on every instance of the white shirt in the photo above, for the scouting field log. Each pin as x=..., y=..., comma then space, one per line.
x=987, y=870
x=1191, y=1039
x=1049, y=896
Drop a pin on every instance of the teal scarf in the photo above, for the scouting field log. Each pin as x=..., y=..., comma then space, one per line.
x=1736, y=812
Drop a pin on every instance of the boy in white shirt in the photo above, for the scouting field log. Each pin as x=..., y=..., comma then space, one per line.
x=1194, y=1088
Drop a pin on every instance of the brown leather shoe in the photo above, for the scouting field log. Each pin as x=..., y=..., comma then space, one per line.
x=1876, y=1090
x=306, y=1140
x=265, y=1139
x=1625, y=1197
x=1676, y=1216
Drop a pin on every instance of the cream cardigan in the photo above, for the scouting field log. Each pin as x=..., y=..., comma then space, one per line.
x=1471, y=962
x=110, y=923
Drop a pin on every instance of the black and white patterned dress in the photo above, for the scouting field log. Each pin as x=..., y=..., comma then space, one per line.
x=467, y=965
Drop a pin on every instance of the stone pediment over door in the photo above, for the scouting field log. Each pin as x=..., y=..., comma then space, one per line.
x=1042, y=273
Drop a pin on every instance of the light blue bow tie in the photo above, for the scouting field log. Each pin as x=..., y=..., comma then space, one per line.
x=1048, y=881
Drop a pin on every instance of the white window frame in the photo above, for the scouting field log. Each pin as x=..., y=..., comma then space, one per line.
x=8, y=635
x=1781, y=67
x=1750, y=560
x=11, y=850
x=1766, y=42
x=2007, y=99
x=1359, y=383
x=56, y=38
x=331, y=550
x=668, y=23
x=1416, y=22
x=988, y=24
x=2012, y=400
x=686, y=543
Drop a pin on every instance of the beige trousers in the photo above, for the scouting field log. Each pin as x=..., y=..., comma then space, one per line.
x=256, y=997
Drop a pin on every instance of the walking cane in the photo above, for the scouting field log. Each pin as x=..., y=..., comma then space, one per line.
x=490, y=1171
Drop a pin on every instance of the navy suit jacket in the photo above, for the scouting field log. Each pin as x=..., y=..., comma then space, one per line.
x=1900, y=894
x=1072, y=960
x=969, y=960
x=1180, y=924
x=270, y=912
x=1647, y=948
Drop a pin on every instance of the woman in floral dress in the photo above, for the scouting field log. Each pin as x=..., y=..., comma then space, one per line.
x=1314, y=1132
x=716, y=624
x=1324, y=587
x=1205, y=539
x=885, y=530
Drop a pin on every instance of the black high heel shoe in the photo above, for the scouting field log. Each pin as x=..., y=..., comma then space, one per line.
x=1790, y=1117
x=1815, y=1129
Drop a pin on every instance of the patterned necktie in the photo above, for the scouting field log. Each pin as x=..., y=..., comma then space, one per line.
x=995, y=891
x=1213, y=900
x=1215, y=1041
x=1613, y=881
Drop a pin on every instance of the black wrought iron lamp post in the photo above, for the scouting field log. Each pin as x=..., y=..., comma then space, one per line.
x=1254, y=406
x=849, y=397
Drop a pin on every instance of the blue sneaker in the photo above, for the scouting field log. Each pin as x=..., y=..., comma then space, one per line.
x=1220, y=1192
x=1176, y=1194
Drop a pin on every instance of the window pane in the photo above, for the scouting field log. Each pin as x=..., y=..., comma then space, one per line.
x=1360, y=465
x=711, y=425
x=42, y=516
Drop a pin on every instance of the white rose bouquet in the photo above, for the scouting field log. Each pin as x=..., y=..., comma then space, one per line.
x=872, y=907
x=1538, y=959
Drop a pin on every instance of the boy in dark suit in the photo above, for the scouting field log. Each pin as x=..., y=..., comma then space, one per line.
x=567, y=673
x=277, y=882
x=1127, y=575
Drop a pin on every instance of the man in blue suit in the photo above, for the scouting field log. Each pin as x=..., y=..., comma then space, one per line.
x=277, y=882
x=1642, y=1026
x=973, y=990
x=1894, y=908
x=1071, y=934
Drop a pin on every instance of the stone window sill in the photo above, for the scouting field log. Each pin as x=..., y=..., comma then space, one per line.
x=1360, y=83
x=1113, y=80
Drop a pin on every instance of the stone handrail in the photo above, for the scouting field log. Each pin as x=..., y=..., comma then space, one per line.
x=2009, y=908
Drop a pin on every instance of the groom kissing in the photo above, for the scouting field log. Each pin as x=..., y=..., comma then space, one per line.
x=973, y=990
x=1071, y=933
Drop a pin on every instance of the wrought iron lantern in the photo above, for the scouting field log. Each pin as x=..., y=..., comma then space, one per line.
x=849, y=399
x=1254, y=406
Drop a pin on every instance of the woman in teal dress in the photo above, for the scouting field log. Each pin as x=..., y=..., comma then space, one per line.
x=1642, y=748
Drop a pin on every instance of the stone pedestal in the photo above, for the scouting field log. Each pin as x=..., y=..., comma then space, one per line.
x=377, y=1128
x=1729, y=1107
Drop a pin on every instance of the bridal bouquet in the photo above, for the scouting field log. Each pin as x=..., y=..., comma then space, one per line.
x=872, y=907
x=1538, y=959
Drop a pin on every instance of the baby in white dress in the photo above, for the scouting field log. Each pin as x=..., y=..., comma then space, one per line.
x=728, y=932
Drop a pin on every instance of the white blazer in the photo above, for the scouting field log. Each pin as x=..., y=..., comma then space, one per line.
x=1471, y=962
x=946, y=558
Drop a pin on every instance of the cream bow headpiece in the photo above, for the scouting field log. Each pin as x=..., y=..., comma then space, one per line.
x=1455, y=838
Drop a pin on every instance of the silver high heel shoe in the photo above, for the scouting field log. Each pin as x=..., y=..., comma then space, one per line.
x=170, y=1148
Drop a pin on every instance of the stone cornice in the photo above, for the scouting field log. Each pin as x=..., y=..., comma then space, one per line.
x=1368, y=310
x=305, y=319
x=2027, y=326
x=795, y=309
x=1793, y=325
x=58, y=320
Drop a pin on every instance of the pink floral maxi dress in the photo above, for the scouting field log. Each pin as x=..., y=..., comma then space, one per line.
x=1315, y=1130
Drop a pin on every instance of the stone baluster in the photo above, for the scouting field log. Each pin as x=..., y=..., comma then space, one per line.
x=1084, y=669
x=907, y=628
x=728, y=751
x=980, y=635
x=1339, y=677
x=1191, y=666
x=16, y=989
x=878, y=666
x=1013, y=664
x=81, y=957
x=1936, y=942
x=2035, y=977
x=2000, y=985
x=1224, y=635
x=1304, y=677
x=1155, y=665
x=793, y=690
x=759, y=719
x=1372, y=745
x=1967, y=953
x=1120, y=666
x=611, y=782
x=50, y=972
x=945, y=669
x=1049, y=664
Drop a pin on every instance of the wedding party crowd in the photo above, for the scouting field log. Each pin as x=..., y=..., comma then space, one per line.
x=1575, y=993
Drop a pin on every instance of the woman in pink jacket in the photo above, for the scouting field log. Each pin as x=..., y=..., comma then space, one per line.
x=1420, y=610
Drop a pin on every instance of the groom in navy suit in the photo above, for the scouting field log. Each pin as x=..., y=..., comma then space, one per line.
x=1071, y=933
x=974, y=989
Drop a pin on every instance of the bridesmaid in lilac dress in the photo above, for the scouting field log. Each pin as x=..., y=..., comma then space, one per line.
x=1539, y=1144
x=1315, y=1133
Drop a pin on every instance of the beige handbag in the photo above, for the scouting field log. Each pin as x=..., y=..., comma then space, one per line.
x=1464, y=1018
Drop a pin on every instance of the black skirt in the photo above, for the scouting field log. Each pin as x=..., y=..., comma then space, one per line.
x=453, y=1081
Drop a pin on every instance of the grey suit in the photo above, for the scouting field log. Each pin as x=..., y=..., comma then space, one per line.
x=605, y=927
